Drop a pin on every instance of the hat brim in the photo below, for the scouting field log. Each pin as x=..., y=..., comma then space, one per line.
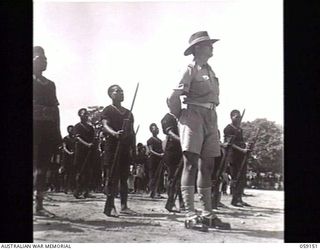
x=188, y=51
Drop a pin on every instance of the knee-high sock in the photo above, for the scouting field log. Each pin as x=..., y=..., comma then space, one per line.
x=188, y=198
x=205, y=199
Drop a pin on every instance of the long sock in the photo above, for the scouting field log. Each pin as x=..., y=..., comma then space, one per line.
x=205, y=199
x=188, y=198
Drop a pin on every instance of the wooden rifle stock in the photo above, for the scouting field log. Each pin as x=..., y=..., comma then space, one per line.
x=246, y=157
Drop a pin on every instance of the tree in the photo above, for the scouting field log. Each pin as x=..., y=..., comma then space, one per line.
x=267, y=155
x=95, y=114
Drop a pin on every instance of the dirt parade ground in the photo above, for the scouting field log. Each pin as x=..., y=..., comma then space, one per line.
x=78, y=221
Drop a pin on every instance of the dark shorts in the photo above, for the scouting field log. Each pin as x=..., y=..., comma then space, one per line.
x=124, y=157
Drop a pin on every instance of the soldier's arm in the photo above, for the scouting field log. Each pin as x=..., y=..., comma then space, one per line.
x=110, y=130
x=154, y=152
x=173, y=101
x=173, y=135
x=87, y=144
x=64, y=147
x=242, y=150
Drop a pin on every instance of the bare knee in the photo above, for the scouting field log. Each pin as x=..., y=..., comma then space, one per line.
x=190, y=161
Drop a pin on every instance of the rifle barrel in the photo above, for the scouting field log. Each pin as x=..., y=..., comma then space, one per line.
x=134, y=97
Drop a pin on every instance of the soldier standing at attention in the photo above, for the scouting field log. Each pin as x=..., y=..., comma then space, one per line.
x=84, y=134
x=68, y=158
x=235, y=158
x=113, y=119
x=46, y=125
x=156, y=153
x=198, y=129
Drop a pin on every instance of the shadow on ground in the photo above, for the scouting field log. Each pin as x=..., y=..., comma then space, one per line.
x=67, y=225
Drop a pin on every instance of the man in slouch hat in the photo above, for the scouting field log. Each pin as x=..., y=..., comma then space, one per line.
x=198, y=129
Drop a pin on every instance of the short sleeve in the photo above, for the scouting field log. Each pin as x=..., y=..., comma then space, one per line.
x=106, y=113
x=150, y=142
x=228, y=132
x=186, y=80
x=76, y=130
x=167, y=123
x=65, y=139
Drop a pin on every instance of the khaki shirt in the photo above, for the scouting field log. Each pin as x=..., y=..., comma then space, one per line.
x=199, y=84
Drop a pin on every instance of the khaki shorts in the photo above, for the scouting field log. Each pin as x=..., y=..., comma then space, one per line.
x=199, y=131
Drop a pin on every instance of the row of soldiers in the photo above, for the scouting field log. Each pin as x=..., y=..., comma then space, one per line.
x=193, y=154
x=80, y=170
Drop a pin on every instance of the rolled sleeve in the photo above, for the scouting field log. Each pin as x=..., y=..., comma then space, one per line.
x=185, y=82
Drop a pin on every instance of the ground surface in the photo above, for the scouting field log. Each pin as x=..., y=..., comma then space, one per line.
x=83, y=221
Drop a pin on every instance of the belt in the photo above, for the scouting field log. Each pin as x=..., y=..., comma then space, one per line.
x=208, y=105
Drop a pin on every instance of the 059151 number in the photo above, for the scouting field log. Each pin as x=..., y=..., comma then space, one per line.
x=308, y=245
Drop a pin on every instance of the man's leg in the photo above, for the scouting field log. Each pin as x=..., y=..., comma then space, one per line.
x=234, y=185
x=190, y=166
x=204, y=184
x=124, y=175
x=205, y=189
x=42, y=164
x=171, y=187
x=109, y=208
x=242, y=185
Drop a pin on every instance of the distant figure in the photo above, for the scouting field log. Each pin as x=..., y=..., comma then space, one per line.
x=141, y=160
x=46, y=125
x=84, y=134
x=156, y=153
x=68, y=159
x=198, y=130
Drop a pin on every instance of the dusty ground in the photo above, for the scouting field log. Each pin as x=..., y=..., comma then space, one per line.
x=83, y=221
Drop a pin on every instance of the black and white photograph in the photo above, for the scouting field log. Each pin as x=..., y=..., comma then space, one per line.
x=158, y=121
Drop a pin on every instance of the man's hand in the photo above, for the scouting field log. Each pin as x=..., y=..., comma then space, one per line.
x=118, y=134
x=225, y=144
x=246, y=150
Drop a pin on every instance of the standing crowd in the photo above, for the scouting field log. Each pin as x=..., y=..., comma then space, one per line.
x=104, y=156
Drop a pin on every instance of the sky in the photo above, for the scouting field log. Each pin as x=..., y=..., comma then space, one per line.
x=90, y=46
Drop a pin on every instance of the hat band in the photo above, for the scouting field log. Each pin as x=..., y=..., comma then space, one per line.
x=200, y=39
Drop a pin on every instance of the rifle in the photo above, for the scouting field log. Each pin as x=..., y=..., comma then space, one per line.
x=125, y=125
x=176, y=176
x=158, y=173
x=137, y=130
x=246, y=157
x=243, y=112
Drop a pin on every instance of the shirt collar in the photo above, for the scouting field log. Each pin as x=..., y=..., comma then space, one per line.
x=201, y=64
